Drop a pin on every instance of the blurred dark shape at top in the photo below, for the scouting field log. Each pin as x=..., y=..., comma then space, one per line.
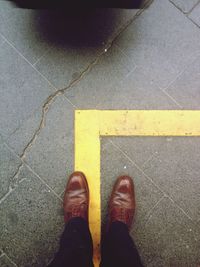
x=46, y=4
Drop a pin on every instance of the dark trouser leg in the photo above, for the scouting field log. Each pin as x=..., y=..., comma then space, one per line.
x=118, y=249
x=76, y=249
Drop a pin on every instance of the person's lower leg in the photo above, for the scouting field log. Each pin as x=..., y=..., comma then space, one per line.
x=76, y=248
x=118, y=248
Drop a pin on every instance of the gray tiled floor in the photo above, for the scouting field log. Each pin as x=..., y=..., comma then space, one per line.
x=8, y=165
x=20, y=28
x=168, y=49
x=98, y=59
x=22, y=90
x=5, y=261
x=185, y=5
x=165, y=235
x=178, y=176
x=189, y=82
x=51, y=154
x=27, y=236
x=194, y=15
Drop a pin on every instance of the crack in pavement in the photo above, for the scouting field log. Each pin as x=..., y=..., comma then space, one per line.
x=48, y=102
x=14, y=182
x=53, y=96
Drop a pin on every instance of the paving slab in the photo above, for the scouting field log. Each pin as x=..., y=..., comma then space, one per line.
x=175, y=169
x=61, y=66
x=195, y=15
x=19, y=26
x=135, y=91
x=168, y=238
x=108, y=71
x=31, y=222
x=51, y=154
x=161, y=41
x=138, y=149
x=185, y=89
x=20, y=138
x=22, y=90
x=184, y=5
x=6, y=262
x=114, y=164
x=9, y=164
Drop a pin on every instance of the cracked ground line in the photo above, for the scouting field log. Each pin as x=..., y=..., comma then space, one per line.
x=24, y=164
x=13, y=184
x=48, y=102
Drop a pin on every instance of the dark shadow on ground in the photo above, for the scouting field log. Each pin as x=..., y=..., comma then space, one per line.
x=78, y=28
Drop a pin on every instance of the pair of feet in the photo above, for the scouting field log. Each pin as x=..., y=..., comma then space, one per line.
x=121, y=203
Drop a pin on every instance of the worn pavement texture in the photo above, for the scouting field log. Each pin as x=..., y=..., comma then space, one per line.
x=52, y=63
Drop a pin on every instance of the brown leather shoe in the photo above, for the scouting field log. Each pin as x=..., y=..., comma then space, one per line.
x=122, y=201
x=76, y=198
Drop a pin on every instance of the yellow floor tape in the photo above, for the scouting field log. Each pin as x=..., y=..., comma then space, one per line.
x=91, y=124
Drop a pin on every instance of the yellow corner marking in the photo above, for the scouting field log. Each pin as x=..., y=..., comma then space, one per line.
x=91, y=124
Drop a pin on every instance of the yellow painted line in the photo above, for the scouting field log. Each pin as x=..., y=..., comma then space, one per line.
x=149, y=123
x=91, y=124
x=87, y=160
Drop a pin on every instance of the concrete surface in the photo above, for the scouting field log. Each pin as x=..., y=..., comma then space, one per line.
x=52, y=63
